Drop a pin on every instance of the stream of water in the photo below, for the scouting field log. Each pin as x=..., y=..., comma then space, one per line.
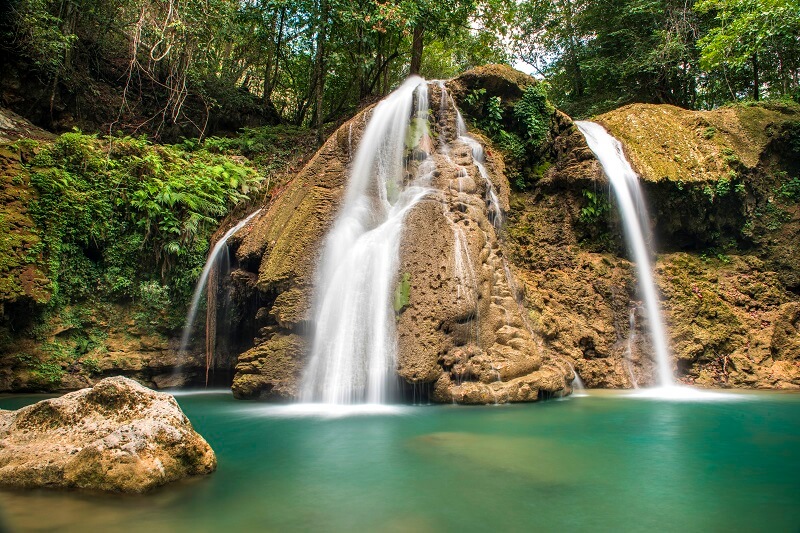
x=216, y=252
x=628, y=192
x=353, y=350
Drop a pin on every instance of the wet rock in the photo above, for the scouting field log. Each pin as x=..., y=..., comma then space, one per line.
x=462, y=329
x=117, y=436
x=283, y=244
x=727, y=268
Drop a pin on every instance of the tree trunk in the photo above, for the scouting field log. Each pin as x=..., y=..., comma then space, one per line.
x=416, y=49
x=756, y=82
x=319, y=69
x=271, y=53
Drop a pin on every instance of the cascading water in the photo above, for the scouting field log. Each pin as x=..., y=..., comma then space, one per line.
x=625, y=184
x=353, y=349
x=216, y=253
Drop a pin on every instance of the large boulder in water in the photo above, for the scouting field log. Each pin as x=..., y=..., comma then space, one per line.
x=116, y=436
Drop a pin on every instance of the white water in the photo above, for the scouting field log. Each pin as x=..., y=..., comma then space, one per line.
x=216, y=251
x=578, y=387
x=479, y=157
x=353, y=350
x=628, y=355
x=467, y=281
x=625, y=184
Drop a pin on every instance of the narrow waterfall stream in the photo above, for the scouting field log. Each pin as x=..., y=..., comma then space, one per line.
x=627, y=190
x=215, y=254
x=353, y=348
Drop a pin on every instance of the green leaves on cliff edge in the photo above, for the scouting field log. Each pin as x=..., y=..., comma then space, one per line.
x=109, y=207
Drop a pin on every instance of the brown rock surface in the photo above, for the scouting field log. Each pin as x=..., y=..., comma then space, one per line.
x=727, y=233
x=667, y=142
x=462, y=319
x=463, y=328
x=282, y=247
x=117, y=436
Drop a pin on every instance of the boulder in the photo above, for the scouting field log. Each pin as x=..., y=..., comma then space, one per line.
x=117, y=436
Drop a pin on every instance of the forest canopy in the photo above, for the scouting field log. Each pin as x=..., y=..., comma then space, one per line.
x=208, y=65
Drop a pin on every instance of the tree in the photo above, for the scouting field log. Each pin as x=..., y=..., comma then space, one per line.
x=756, y=37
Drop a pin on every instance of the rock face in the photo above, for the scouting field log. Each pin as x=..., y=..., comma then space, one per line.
x=277, y=259
x=461, y=331
x=727, y=224
x=463, y=328
x=116, y=436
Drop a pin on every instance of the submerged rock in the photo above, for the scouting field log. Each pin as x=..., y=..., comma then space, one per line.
x=117, y=436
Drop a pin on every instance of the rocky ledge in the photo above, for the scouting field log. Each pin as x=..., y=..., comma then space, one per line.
x=117, y=436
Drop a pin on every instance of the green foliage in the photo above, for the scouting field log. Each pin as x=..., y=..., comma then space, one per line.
x=790, y=190
x=520, y=134
x=41, y=35
x=487, y=110
x=534, y=111
x=402, y=292
x=723, y=187
x=596, y=209
x=772, y=216
x=791, y=136
x=154, y=295
x=252, y=60
x=73, y=353
x=120, y=216
x=48, y=373
x=696, y=54
x=752, y=35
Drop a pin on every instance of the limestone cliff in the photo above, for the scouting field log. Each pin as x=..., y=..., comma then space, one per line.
x=722, y=189
x=462, y=332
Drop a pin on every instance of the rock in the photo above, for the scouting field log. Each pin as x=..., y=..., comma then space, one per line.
x=458, y=312
x=281, y=249
x=117, y=436
x=727, y=271
x=14, y=127
x=462, y=329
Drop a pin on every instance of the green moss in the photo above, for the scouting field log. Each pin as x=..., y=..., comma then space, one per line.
x=121, y=218
x=402, y=292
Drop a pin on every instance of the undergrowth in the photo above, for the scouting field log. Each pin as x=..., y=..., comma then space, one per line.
x=117, y=215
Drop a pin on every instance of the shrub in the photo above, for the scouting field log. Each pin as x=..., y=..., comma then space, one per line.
x=122, y=217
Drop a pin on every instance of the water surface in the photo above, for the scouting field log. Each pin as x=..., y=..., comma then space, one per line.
x=603, y=462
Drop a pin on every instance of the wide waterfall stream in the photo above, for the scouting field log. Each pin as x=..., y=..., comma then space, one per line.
x=353, y=346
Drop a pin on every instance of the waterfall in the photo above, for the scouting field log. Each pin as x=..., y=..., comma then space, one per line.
x=216, y=253
x=625, y=184
x=353, y=348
